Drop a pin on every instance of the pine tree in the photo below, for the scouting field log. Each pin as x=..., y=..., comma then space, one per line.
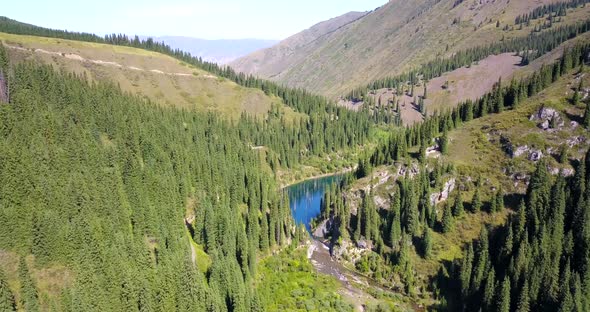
x=395, y=231
x=563, y=154
x=444, y=143
x=489, y=290
x=427, y=242
x=504, y=296
x=499, y=200
x=7, y=302
x=406, y=267
x=28, y=289
x=523, y=300
x=482, y=263
x=447, y=219
x=458, y=207
x=422, y=153
x=576, y=96
x=476, y=201
x=465, y=274
x=586, y=121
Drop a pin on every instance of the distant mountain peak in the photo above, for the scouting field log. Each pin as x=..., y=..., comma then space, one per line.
x=220, y=51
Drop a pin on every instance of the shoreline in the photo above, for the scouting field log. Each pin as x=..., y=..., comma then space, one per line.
x=319, y=176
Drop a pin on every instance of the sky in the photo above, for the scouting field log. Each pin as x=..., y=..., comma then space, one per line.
x=207, y=19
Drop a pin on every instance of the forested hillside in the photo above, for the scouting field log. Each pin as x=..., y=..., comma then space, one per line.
x=138, y=177
x=319, y=126
x=459, y=232
x=102, y=188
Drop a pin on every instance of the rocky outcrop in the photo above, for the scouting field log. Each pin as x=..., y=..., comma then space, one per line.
x=564, y=172
x=577, y=140
x=548, y=118
x=535, y=155
x=321, y=230
x=443, y=195
x=520, y=150
x=412, y=170
x=531, y=153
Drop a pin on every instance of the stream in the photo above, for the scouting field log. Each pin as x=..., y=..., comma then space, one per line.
x=305, y=201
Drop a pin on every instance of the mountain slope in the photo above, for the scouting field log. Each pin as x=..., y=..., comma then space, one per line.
x=272, y=61
x=395, y=38
x=156, y=76
x=218, y=51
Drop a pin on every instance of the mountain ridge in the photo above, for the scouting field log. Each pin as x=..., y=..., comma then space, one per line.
x=392, y=39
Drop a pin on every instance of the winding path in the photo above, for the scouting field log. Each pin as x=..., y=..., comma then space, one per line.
x=76, y=57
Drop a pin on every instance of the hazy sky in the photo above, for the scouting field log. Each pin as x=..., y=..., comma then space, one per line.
x=208, y=19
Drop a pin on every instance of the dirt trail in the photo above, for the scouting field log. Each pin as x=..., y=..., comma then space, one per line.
x=76, y=57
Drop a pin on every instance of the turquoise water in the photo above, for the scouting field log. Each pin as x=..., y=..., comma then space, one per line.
x=305, y=198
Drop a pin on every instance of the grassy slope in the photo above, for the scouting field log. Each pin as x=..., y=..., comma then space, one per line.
x=466, y=82
x=156, y=76
x=475, y=146
x=50, y=281
x=298, y=287
x=397, y=37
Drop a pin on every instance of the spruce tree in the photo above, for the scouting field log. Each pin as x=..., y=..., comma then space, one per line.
x=576, y=96
x=427, y=243
x=504, y=296
x=499, y=200
x=489, y=291
x=444, y=143
x=448, y=221
x=458, y=207
x=465, y=273
x=563, y=154
x=586, y=121
x=523, y=300
x=422, y=153
x=28, y=289
x=395, y=230
x=476, y=201
x=7, y=302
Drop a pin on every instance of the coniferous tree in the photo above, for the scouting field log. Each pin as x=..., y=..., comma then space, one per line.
x=395, y=231
x=28, y=289
x=523, y=300
x=7, y=302
x=427, y=243
x=422, y=153
x=465, y=274
x=499, y=200
x=576, y=97
x=563, y=154
x=504, y=296
x=489, y=290
x=444, y=143
x=476, y=201
x=447, y=219
x=458, y=207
